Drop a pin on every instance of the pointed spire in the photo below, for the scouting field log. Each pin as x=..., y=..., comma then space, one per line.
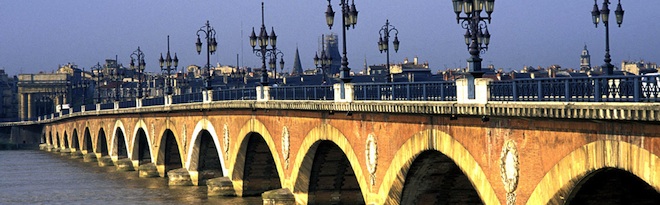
x=297, y=67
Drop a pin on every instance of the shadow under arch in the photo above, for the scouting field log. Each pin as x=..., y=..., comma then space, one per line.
x=433, y=140
x=66, y=140
x=203, y=126
x=169, y=153
x=238, y=151
x=74, y=140
x=118, y=148
x=50, y=138
x=57, y=140
x=87, y=141
x=101, y=143
x=305, y=159
x=140, y=138
x=613, y=186
x=561, y=179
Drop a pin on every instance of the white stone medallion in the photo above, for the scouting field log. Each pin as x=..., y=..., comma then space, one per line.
x=285, y=146
x=371, y=153
x=510, y=170
x=225, y=140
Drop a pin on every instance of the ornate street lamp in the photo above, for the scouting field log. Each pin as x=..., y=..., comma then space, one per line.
x=349, y=19
x=476, y=35
x=98, y=69
x=262, y=50
x=604, y=14
x=166, y=66
x=323, y=63
x=118, y=77
x=211, y=47
x=138, y=57
x=384, y=41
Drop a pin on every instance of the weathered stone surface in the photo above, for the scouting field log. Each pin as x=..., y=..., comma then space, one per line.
x=124, y=164
x=148, y=170
x=278, y=197
x=179, y=177
x=221, y=186
x=65, y=152
x=43, y=146
x=106, y=161
x=89, y=157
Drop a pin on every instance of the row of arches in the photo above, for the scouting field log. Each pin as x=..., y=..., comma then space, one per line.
x=329, y=174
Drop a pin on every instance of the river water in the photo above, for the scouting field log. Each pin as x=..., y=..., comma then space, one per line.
x=39, y=177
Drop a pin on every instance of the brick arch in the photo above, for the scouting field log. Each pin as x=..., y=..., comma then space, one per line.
x=65, y=140
x=112, y=150
x=394, y=179
x=57, y=140
x=75, y=139
x=238, y=152
x=302, y=166
x=132, y=152
x=193, y=147
x=569, y=171
x=159, y=158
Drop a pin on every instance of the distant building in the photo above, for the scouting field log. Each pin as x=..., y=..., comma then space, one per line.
x=639, y=67
x=585, y=60
x=8, y=99
x=331, y=47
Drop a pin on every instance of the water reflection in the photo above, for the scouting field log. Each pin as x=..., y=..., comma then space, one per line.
x=38, y=177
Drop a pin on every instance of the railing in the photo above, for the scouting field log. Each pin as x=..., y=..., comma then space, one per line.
x=187, y=98
x=584, y=89
x=76, y=109
x=127, y=104
x=153, y=101
x=108, y=106
x=419, y=91
x=90, y=107
x=319, y=92
x=235, y=94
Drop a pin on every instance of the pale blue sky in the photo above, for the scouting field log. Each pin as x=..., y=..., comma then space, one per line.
x=38, y=35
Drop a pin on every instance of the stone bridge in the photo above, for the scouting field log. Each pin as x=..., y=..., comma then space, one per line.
x=382, y=152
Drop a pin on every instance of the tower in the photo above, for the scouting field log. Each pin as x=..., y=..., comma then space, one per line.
x=332, y=48
x=585, y=60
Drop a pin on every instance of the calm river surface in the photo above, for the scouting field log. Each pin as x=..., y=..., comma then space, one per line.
x=40, y=177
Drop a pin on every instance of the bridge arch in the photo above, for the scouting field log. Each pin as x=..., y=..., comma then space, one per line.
x=87, y=141
x=57, y=140
x=169, y=155
x=101, y=143
x=202, y=127
x=118, y=148
x=305, y=160
x=50, y=138
x=433, y=140
x=140, y=136
x=252, y=130
x=562, y=179
x=65, y=138
x=74, y=140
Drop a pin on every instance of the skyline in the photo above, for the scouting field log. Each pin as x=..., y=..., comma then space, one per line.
x=39, y=38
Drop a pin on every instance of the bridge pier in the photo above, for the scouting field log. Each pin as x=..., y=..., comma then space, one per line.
x=124, y=164
x=179, y=177
x=278, y=197
x=221, y=186
x=65, y=152
x=76, y=154
x=105, y=161
x=148, y=170
x=89, y=157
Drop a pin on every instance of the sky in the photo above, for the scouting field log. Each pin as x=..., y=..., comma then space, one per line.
x=39, y=35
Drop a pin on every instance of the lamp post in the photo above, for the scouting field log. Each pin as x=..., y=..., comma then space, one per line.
x=476, y=35
x=604, y=14
x=211, y=47
x=273, y=60
x=99, y=75
x=137, y=57
x=118, y=77
x=349, y=19
x=384, y=41
x=166, y=66
x=324, y=63
x=262, y=51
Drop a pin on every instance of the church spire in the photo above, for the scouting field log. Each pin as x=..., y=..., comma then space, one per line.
x=297, y=67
